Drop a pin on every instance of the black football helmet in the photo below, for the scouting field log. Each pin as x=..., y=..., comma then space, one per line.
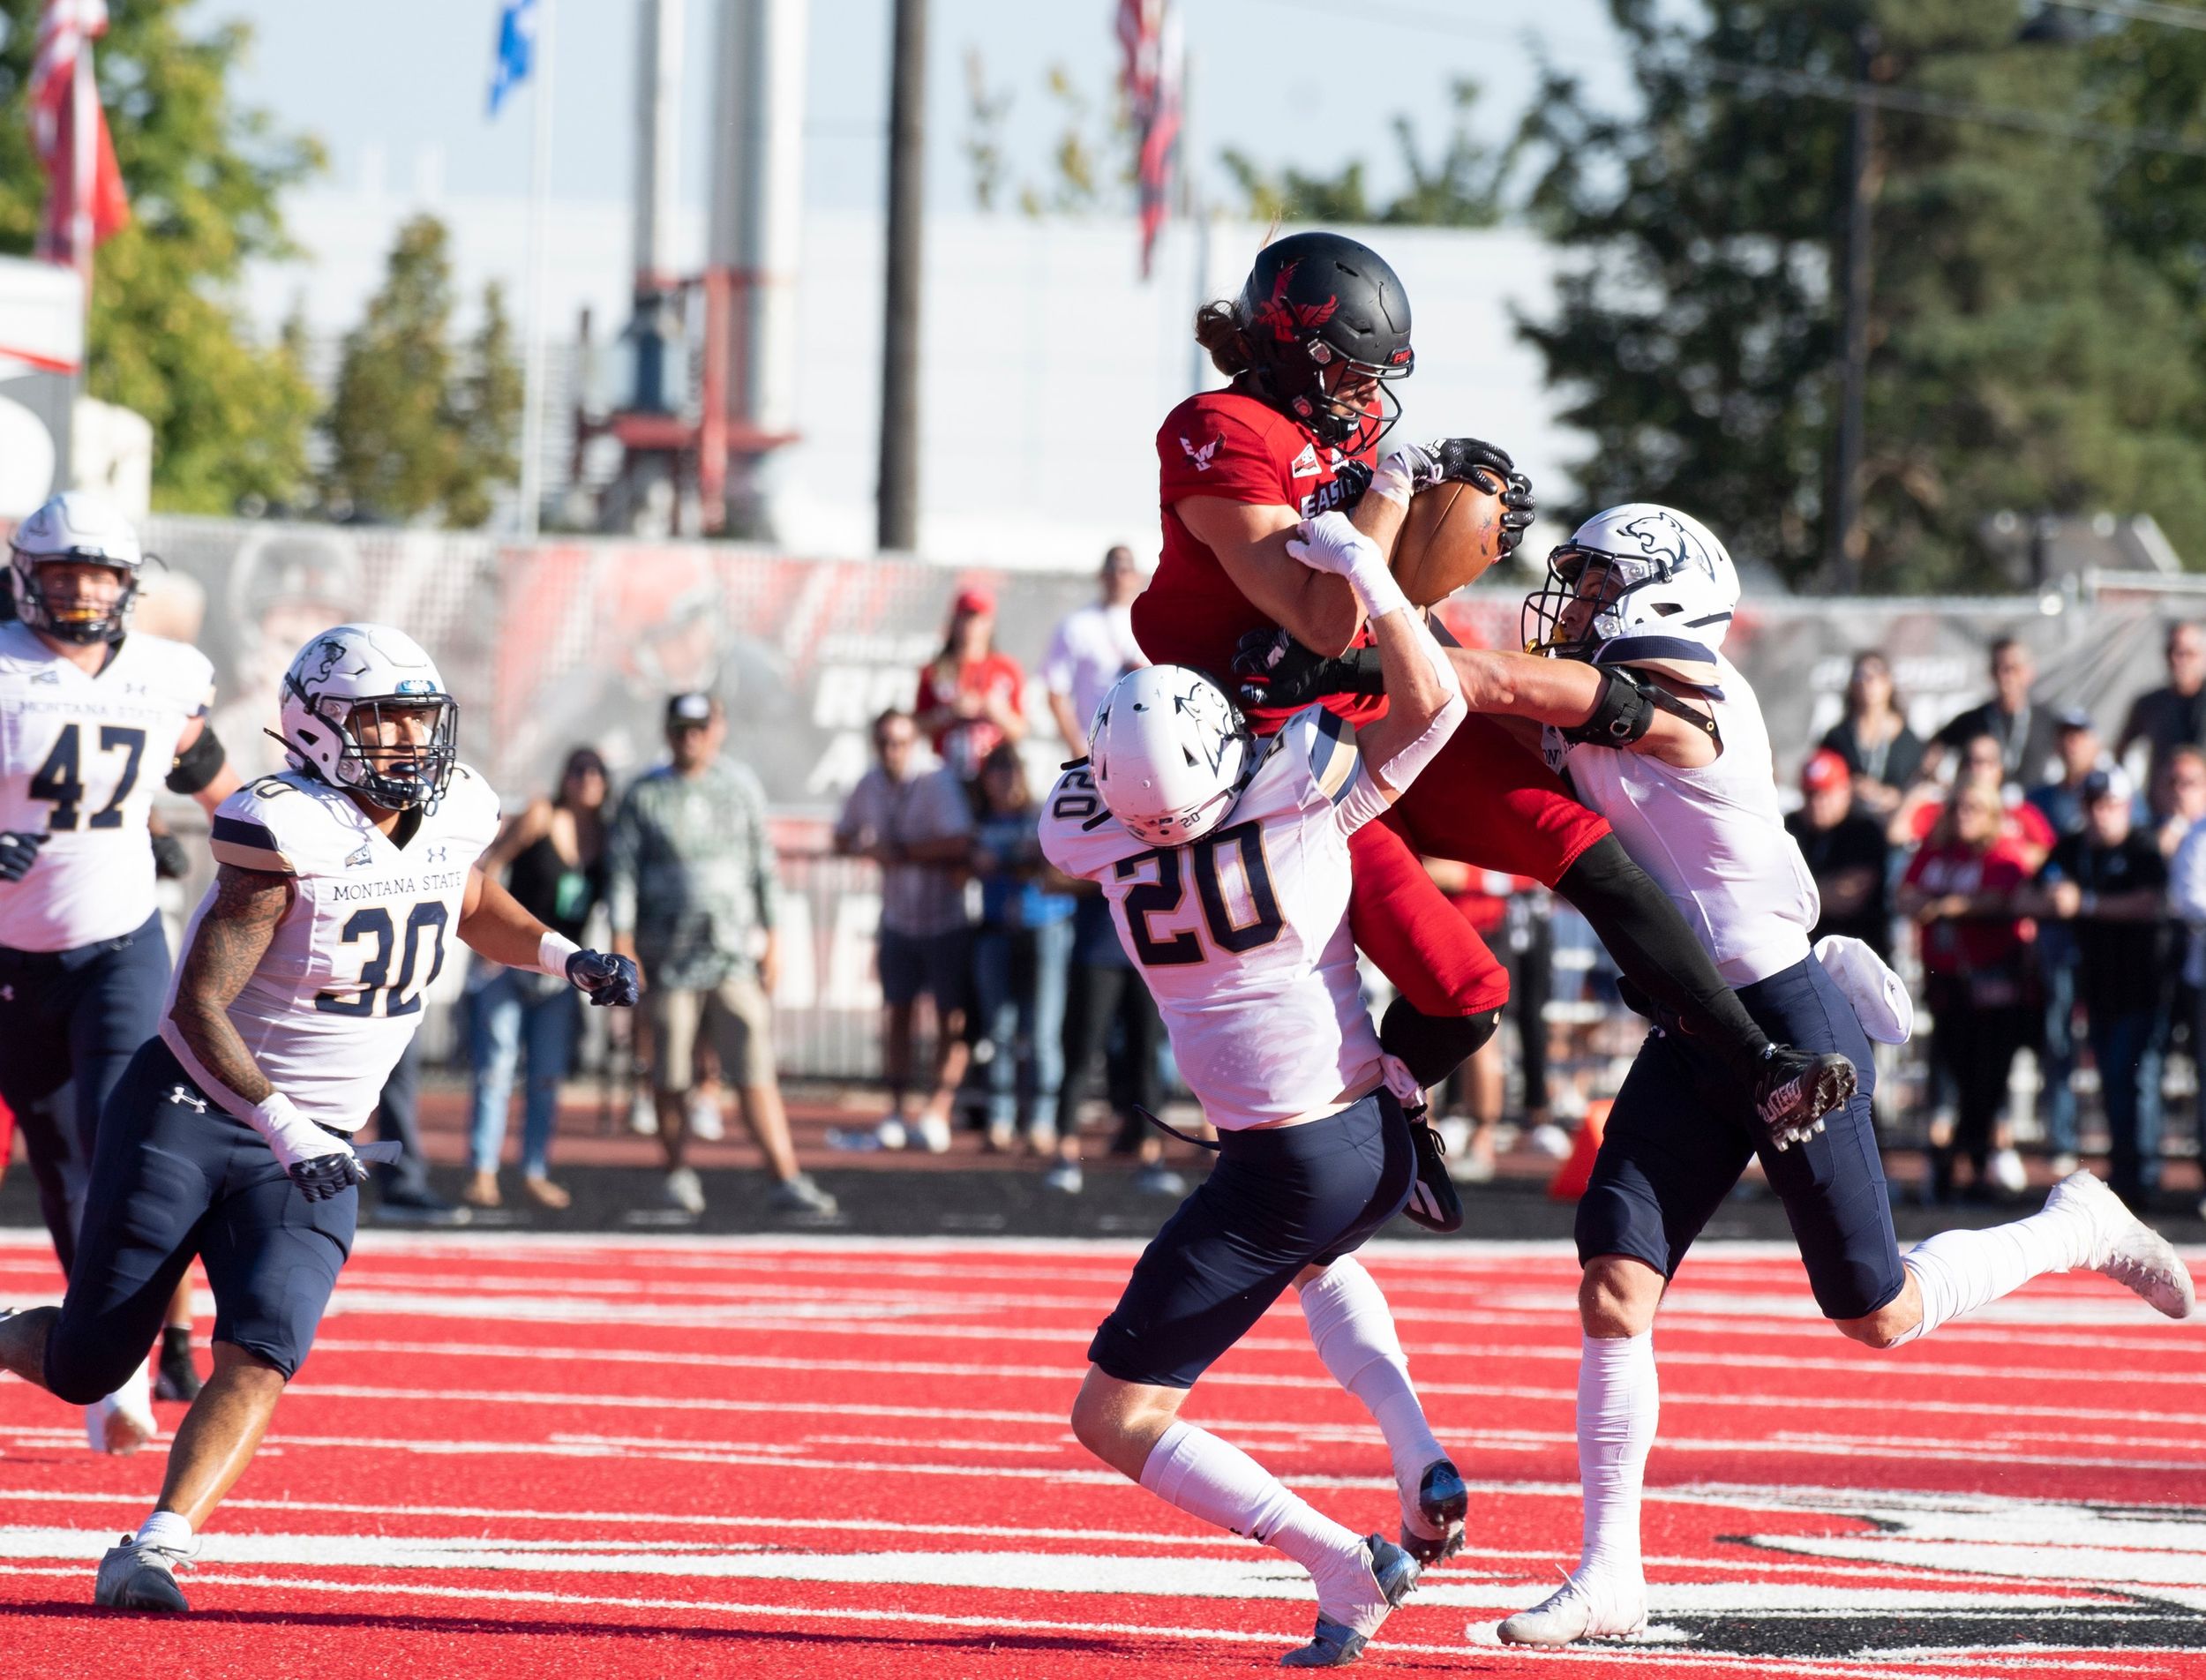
x=1315, y=300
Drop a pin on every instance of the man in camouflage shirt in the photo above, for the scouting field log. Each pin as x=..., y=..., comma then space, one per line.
x=690, y=885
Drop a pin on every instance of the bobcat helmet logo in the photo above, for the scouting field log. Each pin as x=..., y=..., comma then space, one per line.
x=331, y=650
x=1287, y=318
x=1663, y=541
x=1200, y=457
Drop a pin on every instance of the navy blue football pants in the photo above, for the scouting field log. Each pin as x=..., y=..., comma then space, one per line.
x=1281, y=1198
x=69, y=1022
x=1683, y=1129
x=174, y=1176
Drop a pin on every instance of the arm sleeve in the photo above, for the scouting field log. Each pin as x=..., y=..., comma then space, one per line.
x=1205, y=452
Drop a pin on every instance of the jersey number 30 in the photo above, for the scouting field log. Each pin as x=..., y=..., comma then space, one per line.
x=60, y=780
x=1259, y=925
x=379, y=994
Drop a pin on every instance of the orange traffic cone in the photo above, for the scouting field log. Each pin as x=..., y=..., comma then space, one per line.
x=1569, y=1180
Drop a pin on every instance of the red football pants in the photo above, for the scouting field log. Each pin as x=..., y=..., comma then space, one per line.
x=1487, y=801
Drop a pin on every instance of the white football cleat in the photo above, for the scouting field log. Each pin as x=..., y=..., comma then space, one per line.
x=123, y=1422
x=1599, y=1608
x=2124, y=1246
x=136, y=1576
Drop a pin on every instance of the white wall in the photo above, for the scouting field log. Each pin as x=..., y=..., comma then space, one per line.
x=1045, y=367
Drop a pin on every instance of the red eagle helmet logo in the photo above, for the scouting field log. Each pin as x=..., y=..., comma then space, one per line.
x=1287, y=318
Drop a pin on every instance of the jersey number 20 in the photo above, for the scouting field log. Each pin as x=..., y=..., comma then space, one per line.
x=378, y=993
x=1162, y=896
x=60, y=780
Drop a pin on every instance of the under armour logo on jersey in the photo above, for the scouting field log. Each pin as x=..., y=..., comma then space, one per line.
x=436, y=854
x=1200, y=457
x=187, y=1096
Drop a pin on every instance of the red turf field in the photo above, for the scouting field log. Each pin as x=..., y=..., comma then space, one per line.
x=599, y=1458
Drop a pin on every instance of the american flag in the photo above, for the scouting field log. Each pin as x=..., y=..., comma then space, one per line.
x=67, y=28
x=1149, y=32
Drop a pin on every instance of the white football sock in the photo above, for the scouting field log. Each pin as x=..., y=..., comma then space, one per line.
x=1958, y=1271
x=165, y=1528
x=1354, y=1333
x=1216, y=1482
x=1619, y=1403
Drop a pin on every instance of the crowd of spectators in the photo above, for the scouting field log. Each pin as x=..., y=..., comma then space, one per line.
x=2039, y=893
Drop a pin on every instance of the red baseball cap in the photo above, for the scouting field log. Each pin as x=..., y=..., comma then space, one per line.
x=1824, y=770
x=973, y=601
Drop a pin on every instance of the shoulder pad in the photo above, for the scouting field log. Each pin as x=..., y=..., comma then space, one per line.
x=273, y=824
x=1078, y=834
x=1317, y=750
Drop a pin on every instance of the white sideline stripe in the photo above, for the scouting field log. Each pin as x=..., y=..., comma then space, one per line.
x=1704, y=1664
x=2100, y=1378
x=1748, y=1565
x=1793, y=1404
x=1256, y=1574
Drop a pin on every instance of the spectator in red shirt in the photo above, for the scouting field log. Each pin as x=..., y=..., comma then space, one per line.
x=972, y=697
x=2021, y=824
x=1960, y=890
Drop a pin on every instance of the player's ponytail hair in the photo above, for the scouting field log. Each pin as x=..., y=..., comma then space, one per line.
x=1218, y=330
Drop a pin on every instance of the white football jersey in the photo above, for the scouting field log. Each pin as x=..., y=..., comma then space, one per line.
x=1714, y=838
x=1243, y=936
x=338, y=993
x=80, y=757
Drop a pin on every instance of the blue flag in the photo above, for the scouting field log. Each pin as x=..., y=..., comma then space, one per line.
x=516, y=50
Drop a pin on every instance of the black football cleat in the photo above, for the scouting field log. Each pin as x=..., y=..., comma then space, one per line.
x=1442, y=1503
x=1794, y=1092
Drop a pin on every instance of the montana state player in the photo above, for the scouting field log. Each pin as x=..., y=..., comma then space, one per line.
x=92, y=716
x=342, y=879
x=1224, y=861
x=1316, y=337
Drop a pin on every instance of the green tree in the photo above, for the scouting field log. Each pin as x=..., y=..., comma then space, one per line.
x=1461, y=188
x=416, y=428
x=2023, y=352
x=168, y=339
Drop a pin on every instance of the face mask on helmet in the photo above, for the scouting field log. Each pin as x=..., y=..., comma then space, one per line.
x=1170, y=754
x=1640, y=585
x=64, y=557
x=1325, y=323
x=364, y=708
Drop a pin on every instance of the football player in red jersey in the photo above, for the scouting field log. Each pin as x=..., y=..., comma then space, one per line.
x=1312, y=344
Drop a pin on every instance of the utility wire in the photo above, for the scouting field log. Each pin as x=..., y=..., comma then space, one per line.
x=1760, y=78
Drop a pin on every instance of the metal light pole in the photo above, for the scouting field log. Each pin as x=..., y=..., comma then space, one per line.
x=899, y=504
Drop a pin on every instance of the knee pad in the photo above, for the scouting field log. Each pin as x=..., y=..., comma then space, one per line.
x=1432, y=1046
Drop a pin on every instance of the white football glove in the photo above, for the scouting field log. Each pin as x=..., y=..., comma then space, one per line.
x=1331, y=542
x=320, y=1162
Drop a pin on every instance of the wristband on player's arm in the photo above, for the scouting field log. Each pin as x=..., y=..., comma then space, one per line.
x=551, y=954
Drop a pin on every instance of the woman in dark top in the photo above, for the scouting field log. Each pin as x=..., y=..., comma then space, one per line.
x=555, y=857
x=1885, y=755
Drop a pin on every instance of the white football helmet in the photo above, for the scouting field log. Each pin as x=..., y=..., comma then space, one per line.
x=1170, y=753
x=75, y=527
x=359, y=678
x=1637, y=585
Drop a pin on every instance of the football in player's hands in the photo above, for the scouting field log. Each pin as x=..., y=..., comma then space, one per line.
x=18, y=852
x=320, y=1177
x=606, y=978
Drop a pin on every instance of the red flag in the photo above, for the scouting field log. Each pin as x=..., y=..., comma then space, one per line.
x=66, y=29
x=1149, y=32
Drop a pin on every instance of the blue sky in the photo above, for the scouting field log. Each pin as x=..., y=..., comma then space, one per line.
x=1285, y=80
